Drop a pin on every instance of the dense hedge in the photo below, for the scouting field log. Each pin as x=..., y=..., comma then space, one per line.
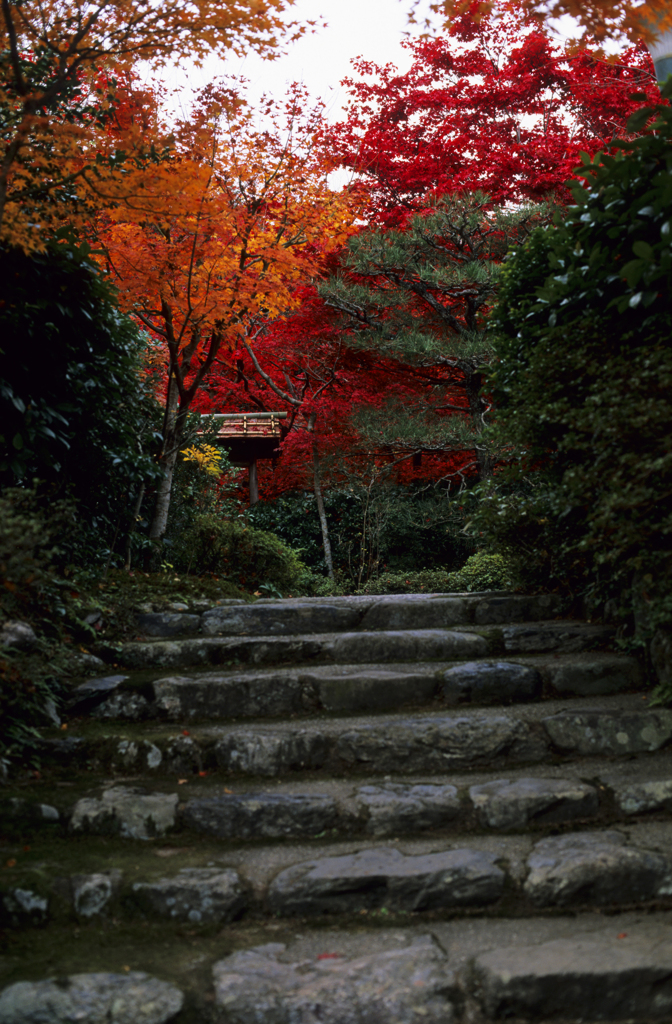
x=582, y=386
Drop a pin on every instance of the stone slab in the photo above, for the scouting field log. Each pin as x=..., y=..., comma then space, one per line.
x=393, y=809
x=255, y=752
x=505, y=804
x=615, y=976
x=496, y=610
x=412, y=985
x=92, y=894
x=596, y=868
x=133, y=998
x=217, y=695
x=261, y=815
x=126, y=812
x=592, y=677
x=439, y=743
x=386, y=646
x=194, y=895
x=437, y=613
x=565, y=637
x=489, y=682
x=638, y=798
x=384, y=877
x=609, y=732
x=167, y=623
x=281, y=618
x=370, y=688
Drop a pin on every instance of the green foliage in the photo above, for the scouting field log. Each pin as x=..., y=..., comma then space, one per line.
x=583, y=388
x=428, y=581
x=403, y=528
x=248, y=557
x=74, y=411
x=485, y=570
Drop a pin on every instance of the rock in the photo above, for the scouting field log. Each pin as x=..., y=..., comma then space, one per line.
x=640, y=797
x=284, y=618
x=92, y=894
x=133, y=998
x=127, y=755
x=432, y=613
x=607, y=977
x=182, y=756
x=194, y=895
x=127, y=812
x=127, y=706
x=482, y=682
x=254, y=752
x=21, y=907
x=514, y=608
x=386, y=878
x=438, y=743
x=167, y=623
x=591, y=677
x=405, y=645
x=20, y=635
x=411, y=985
x=223, y=695
x=660, y=650
x=392, y=809
x=369, y=688
x=80, y=662
x=596, y=868
x=93, y=692
x=261, y=815
x=15, y=808
x=563, y=637
x=609, y=732
x=503, y=804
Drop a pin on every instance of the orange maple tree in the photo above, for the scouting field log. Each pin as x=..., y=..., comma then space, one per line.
x=211, y=247
x=58, y=62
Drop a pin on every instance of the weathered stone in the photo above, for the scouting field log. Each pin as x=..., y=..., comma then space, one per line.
x=171, y=654
x=89, y=695
x=194, y=895
x=503, y=804
x=128, y=755
x=430, y=613
x=284, y=618
x=182, y=756
x=21, y=907
x=405, y=645
x=561, y=637
x=261, y=815
x=254, y=752
x=411, y=985
x=167, y=623
x=127, y=812
x=386, y=878
x=640, y=797
x=392, y=808
x=609, y=732
x=514, y=608
x=92, y=894
x=224, y=695
x=369, y=688
x=482, y=682
x=125, y=706
x=17, y=809
x=438, y=743
x=133, y=998
x=19, y=635
x=597, y=868
x=606, y=977
x=591, y=677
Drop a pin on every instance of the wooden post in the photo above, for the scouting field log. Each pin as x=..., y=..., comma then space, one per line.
x=254, y=484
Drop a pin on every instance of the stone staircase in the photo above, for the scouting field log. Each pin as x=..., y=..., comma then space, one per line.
x=413, y=809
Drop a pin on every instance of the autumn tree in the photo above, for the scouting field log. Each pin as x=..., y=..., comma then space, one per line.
x=216, y=242
x=492, y=105
x=58, y=62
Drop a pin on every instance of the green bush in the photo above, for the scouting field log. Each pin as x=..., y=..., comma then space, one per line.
x=245, y=556
x=428, y=581
x=583, y=389
x=485, y=571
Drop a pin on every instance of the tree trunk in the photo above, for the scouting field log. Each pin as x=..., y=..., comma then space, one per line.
x=173, y=425
x=254, y=484
x=317, y=486
x=477, y=407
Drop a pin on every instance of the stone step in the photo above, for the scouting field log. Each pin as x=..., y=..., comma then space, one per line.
x=364, y=646
x=503, y=875
x=292, y=616
x=579, y=967
x=468, y=738
x=269, y=693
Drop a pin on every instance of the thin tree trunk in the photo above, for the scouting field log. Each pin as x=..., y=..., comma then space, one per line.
x=172, y=429
x=254, y=484
x=326, y=543
x=477, y=407
x=131, y=529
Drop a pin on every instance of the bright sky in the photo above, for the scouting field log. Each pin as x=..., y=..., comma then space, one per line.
x=373, y=29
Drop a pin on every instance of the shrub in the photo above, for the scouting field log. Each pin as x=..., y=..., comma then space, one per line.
x=248, y=557
x=485, y=571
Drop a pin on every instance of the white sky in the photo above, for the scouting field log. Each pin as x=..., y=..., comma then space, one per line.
x=372, y=29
